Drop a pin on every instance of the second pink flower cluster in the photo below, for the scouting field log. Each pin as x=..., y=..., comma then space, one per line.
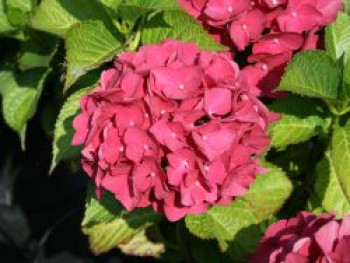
x=276, y=28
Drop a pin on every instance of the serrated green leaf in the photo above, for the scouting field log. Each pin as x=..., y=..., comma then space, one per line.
x=57, y=16
x=88, y=45
x=312, y=74
x=337, y=38
x=340, y=154
x=141, y=245
x=108, y=225
x=277, y=187
x=178, y=25
x=301, y=119
x=64, y=131
x=329, y=188
x=236, y=226
x=21, y=97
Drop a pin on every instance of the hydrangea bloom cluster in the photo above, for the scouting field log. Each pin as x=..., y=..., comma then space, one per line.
x=173, y=127
x=306, y=239
x=277, y=29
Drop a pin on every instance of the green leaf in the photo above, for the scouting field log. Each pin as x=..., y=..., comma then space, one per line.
x=22, y=96
x=7, y=81
x=142, y=245
x=64, y=131
x=152, y=5
x=338, y=36
x=312, y=74
x=345, y=93
x=178, y=25
x=108, y=225
x=5, y=26
x=34, y=55
x=57, y=16
x=301, y=119
x=346, y=4
x=329, y=188
x=111, y=5
x=340, y=154
x=131, y=10
x=19, y=11
x=236, y=226
x=89, y=44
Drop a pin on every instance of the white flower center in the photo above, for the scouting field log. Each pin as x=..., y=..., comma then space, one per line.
x=244, y=26
x=264, y=67
x=205, y=138
x=184, y=163
x=230, y=9
x=131, y=123
x=181, y=86
x=294, y=14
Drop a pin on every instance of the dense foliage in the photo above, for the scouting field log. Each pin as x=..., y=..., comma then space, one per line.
x=230, y=117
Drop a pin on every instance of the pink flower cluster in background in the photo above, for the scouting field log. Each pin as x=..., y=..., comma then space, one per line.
x=277, y=29
x=173, y=127
x=306, y=239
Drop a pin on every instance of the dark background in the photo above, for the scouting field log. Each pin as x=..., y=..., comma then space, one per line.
x=40, y=215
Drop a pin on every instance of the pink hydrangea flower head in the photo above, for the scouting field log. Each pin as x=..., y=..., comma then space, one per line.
x=306, y=238
x=174, y=128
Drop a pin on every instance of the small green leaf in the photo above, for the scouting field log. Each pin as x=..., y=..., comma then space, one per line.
x=329, y=188
x=111, y=5
x=89, y=44
x=236, y=226
x=301, y=119
x=131, y=10
x=346, y=4
x=57, y=16
x=5, y=26
x=22, y=96
x=108, y=225
x=312, y=74
x=64, y=131
x=141, y=245
x=338, y=36
x=345, y=93
x=340, y=154
x=178, y=25
x=19, y=11
x=35, y=55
